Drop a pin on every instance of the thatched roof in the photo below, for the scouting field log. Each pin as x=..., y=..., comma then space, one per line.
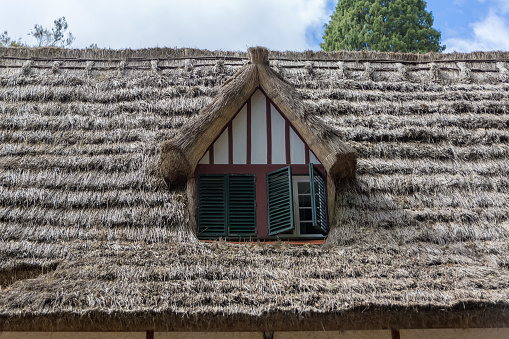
x=92, y=238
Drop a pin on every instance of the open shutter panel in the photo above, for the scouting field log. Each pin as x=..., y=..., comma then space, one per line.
x=279, y=201
x=318, y=205
x=212, y=205
x=241, y=205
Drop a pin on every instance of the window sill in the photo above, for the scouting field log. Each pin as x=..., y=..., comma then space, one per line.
x=269, y=241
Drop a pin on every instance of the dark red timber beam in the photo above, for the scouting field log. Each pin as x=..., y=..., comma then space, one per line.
x=269, y=130
x=211, y=154
x=248, y=151
x=230, y=142
x=287, y=141
x=261, y=169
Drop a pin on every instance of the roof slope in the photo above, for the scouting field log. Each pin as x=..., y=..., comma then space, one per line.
x=86, y=214
x=225, y=287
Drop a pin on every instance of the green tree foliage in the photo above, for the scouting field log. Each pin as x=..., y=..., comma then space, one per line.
x=6, y=41
x=382, y=25
x=56, y=37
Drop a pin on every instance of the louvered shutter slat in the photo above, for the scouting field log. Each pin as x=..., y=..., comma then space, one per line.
x=212, y=206
x=242, y=205
x=280, y=201
x=318, y=203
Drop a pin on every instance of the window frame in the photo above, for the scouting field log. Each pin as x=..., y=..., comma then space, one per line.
x=296, y=232
x=261, y=197
x=313, y=175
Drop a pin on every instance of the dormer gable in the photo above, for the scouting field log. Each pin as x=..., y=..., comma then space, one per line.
x=258, y=134
x=283, y=131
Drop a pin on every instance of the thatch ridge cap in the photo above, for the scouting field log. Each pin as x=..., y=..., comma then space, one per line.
x=366, y=56
x=159, y=53
x=166, y=53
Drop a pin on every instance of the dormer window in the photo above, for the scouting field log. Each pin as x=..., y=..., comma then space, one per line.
x=257, y=162
x=260, y=179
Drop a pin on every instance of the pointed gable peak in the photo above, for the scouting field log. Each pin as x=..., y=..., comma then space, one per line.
x=258, y=55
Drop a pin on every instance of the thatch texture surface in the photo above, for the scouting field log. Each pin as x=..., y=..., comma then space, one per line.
x=238, y=287
x=89, y=229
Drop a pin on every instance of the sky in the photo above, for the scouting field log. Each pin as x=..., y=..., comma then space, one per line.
x=298, y=25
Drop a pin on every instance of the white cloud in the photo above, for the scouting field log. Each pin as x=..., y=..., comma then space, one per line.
x=502, y=6
x=218, y=24
x=491, y=34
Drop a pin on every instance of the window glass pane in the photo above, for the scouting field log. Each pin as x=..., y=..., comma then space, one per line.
x=303, y=187
x=304, y=201
x=305, y=214
x=307, y=228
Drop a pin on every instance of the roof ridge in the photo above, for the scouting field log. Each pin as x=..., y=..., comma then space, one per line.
x=34, y=53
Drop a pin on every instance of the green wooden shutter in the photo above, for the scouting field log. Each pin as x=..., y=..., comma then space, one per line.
x=212, y=205
x=280, y=201
x=318, y=203
x=241, y=205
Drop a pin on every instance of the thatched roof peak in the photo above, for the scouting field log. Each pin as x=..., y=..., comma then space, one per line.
x=258, y=55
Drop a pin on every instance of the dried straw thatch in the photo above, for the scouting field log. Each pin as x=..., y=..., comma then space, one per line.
x=92, y=237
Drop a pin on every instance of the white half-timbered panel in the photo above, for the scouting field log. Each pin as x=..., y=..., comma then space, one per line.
x=312, y=158
x=258, y=128
x=239, y=133
x=205, y=159
x=278, y=146
x=221, y=149
x=297, y=149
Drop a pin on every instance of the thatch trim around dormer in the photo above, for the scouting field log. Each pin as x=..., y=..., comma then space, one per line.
x=180, y=155
x=198, y=134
